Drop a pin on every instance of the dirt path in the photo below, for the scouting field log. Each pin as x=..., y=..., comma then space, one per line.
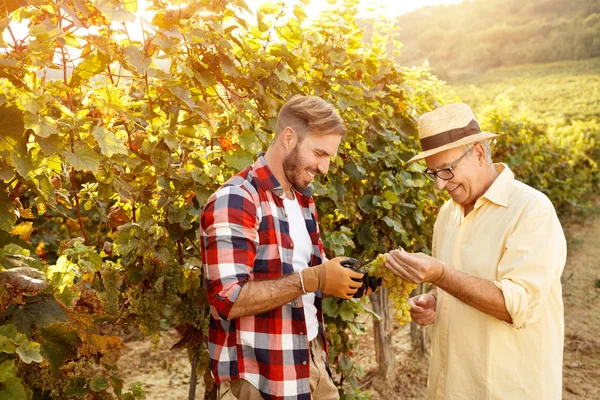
x=165, y=374
x=582, y=319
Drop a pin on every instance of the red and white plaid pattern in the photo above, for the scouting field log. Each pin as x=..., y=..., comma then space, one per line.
x=245, y=236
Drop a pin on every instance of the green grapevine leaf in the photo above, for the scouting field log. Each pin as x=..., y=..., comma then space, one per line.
x=13, y=390
x=77, y=388
x=60, y=344
x=10, y=332
x=7, y=345
x=11, y=121
x=7, y=370
x=331, y=307
x=50, y=145
x=117, y=385
x=68, y=297
x=393, y=224
x=239, y=160
x=347, y=311
x=22, y=160
x=98, y=383
x=8, y=210
x=39, y=312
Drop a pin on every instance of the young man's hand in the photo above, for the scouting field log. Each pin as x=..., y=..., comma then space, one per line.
x=332, y=278
x=370, y=283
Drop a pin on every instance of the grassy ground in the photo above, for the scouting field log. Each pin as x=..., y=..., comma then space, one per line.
x=567, y=88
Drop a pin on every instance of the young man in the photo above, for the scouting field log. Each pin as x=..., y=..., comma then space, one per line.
x=498, y=254
x=264, y=264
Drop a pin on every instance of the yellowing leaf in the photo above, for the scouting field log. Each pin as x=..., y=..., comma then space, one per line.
x=41, y=125
x=108, y=141
x=83, y=158
x=62, y=273
x=108, y=346
x=26, y=213
x=299, y=13
x=137, y=59
x=90, y=66
x=23, y=230
x=131, y=5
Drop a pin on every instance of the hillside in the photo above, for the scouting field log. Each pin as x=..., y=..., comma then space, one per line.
x=474, y=36
x=566, y=88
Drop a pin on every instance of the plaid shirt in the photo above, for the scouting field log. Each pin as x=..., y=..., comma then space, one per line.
x=245, y=236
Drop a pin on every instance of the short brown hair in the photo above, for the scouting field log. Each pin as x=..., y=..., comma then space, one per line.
x=309, y=114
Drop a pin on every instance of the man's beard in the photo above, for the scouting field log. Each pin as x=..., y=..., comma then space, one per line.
x=293, y=170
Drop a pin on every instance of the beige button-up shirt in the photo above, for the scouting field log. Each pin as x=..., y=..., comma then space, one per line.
x=513, y=238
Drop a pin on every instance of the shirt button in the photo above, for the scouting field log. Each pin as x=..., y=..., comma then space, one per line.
x=304, y=363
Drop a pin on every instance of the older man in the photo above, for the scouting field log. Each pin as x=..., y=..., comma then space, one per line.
x=498, y=254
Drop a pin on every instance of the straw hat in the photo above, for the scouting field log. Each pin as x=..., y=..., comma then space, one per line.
x=448, y=127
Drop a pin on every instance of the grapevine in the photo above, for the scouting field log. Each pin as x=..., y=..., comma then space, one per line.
x=399, y=289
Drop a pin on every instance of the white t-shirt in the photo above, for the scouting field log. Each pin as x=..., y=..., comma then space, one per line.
x=301, y=259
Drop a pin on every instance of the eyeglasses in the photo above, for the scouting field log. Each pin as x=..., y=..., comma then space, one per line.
x=446, y=173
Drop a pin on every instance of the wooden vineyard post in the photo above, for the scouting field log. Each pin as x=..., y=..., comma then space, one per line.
x=382, y=330
x=417, y=333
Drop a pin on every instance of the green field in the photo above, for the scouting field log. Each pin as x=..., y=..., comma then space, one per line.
x=567, y=88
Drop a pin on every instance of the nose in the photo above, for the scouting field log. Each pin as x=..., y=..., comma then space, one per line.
x=440, y=183
x=323, y=166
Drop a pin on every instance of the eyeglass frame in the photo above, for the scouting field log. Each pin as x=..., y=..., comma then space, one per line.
x=433, y=175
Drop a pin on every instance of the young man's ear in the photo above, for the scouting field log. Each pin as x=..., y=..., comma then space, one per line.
x=288, y=138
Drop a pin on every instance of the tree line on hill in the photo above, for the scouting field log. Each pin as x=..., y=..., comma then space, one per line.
x=474, y=36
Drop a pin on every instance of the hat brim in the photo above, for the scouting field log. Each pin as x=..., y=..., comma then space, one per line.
x=469, y=139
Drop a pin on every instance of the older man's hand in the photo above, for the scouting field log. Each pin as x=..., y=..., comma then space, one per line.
x=422, y=309
x=414, y=267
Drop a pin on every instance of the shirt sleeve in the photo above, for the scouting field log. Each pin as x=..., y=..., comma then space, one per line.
x=532, y=263
x=229, y=232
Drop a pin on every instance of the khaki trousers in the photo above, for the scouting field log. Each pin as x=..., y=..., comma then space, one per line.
x=321, y=385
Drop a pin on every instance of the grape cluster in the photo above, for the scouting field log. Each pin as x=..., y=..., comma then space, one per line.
x=398, y=289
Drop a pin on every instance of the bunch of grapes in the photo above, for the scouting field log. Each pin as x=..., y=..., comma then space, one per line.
x=399, y=290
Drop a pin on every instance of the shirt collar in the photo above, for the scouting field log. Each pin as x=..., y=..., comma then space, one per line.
x=267, y=180
x=499, y=191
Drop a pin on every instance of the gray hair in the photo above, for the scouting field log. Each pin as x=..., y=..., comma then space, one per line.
x=486, y=148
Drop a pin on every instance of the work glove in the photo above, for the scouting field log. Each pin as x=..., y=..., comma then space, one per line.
x=368, y=282
x=332, y=278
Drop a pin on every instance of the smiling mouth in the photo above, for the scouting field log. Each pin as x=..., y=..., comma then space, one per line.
x=310, y=174
x=453, y=189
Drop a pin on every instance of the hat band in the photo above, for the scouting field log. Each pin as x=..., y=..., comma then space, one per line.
x=453, y=135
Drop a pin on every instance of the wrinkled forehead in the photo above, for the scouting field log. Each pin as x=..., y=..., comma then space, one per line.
x=444, y=158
